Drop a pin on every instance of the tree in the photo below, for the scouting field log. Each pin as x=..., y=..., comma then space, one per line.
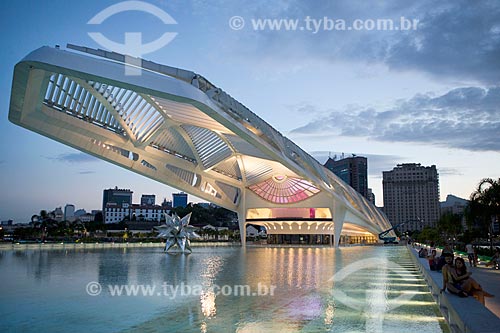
x=99, y=217
x=428, y=235
x=43, y=214
x=450, y=225
x=484, y=206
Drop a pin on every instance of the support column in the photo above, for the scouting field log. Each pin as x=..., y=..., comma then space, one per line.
x=339, y=212
x=241, y=223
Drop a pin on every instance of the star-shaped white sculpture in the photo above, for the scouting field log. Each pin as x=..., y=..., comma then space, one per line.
x=177, y=231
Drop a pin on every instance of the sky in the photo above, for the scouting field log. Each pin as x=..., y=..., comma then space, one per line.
x=428, y=95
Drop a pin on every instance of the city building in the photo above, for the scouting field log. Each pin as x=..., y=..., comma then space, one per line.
x=454, y=205
x=352, y=170
x=148, y=200
x=411, y=195
x=371, y=196
x=69, y=213
x=87, y=217
x=80, y=212
x=57, y=214
x=179, y=199
x=185, y=132
x=115, y=213
x=147, y=213
x=117, y=196
x=167, y=205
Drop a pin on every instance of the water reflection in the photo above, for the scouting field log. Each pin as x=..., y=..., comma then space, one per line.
x=50, y=286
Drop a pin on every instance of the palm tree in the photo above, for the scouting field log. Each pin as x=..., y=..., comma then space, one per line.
x=484, y=206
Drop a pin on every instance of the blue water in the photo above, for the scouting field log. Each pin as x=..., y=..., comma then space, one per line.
x=45, y=291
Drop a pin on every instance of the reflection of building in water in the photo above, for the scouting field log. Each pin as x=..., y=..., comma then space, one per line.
x=113, y=267
x=207, y=300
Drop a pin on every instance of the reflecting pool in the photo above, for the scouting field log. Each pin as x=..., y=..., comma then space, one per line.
x=220, y=289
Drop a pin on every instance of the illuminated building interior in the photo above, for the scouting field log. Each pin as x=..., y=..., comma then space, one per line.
x=176, y=127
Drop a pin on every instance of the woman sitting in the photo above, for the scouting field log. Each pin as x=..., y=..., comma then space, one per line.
x=465, y=282
x=448, y=271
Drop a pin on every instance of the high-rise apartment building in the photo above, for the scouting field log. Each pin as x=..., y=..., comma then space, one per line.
x=352, y=170
x=411, y=193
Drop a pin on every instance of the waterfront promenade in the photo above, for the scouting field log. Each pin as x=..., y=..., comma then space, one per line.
x=465, y=314
x=489, y=279
x=99, y=245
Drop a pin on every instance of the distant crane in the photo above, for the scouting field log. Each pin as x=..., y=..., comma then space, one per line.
x=389, y=239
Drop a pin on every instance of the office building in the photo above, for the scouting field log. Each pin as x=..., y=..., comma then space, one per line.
x=352, y=170
x=179, y=199
x=117, y=196
x=371, y=196
x=69, y=213
x=115, y=213
x=411, y=194
x=148, y=200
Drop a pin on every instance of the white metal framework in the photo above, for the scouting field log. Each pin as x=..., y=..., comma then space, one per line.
x=176, y=127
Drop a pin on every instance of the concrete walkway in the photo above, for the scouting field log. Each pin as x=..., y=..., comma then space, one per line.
x=465, y=314
x=489, y=279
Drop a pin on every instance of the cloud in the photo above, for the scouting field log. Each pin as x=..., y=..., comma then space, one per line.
x=449, y=172
x=86, y=172
x=74, y=158
x=454, y=39
x=464, y=118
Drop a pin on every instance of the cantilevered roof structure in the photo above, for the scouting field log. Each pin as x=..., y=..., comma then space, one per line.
x=176, y=127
